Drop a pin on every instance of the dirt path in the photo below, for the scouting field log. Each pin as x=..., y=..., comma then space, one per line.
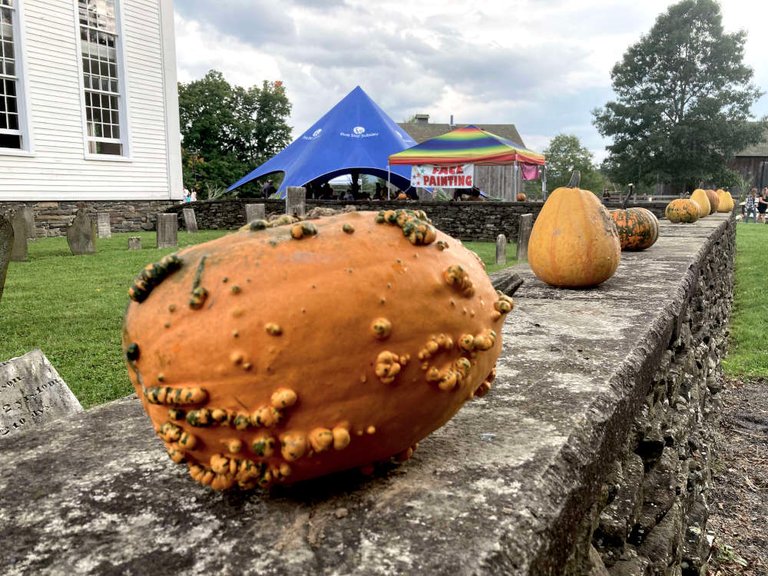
x=739, y=500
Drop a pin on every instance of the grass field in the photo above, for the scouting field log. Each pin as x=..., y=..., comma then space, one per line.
x=72, y=307
x=748, y=349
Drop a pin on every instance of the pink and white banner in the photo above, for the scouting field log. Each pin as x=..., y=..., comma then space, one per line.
x=434, y=176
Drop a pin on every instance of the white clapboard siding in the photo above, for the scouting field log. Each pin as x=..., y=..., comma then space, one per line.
x=56, y=168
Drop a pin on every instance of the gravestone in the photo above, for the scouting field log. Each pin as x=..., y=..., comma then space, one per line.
x=19, y=252
x=255, y=212
x=190, y=220
x=32, y=394
x=167, y=230
x=134, y=243
x=6, y=245
x=523, y=234
x=29, y=220
x=81, y=234
x=501, y=249
x=104, y=224
x=296, y=201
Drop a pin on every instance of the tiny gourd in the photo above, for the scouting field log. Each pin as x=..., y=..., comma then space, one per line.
x=574, y=242
x=682, y=210
x=284, y=352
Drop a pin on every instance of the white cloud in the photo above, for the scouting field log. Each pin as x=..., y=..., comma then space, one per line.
x=542, y=65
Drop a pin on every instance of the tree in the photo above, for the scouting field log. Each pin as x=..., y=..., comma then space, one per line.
x=683, y=99
x=564, y=155
x=228, y=130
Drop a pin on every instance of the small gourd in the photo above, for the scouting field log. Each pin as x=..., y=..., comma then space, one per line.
x=682, y=210
x=638, y=228
x=521, y=197
x=284, y=352
x=699, y=196
x=574, y=242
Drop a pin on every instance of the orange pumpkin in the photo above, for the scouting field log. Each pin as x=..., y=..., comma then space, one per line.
x=726, y=203
x=277, y=354
x=574, y=242
x=638, y=228
x=699, y=196
x=714, y=200
x=521, y=197
x=682, y=210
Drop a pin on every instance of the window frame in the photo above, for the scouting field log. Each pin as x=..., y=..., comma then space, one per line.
x=122, y=93
x=22, y=85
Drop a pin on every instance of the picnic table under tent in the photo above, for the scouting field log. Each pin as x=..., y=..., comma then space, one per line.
x=462, y=149
x=354, y=135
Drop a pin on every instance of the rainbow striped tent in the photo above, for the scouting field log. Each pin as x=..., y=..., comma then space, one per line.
x=467, y=145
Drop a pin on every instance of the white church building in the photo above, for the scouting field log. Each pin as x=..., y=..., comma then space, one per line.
x=88, y=101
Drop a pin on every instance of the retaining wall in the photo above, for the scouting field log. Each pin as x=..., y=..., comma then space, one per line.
x=590, y=455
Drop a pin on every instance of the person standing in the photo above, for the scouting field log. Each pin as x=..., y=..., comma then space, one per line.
x=268, y=189
x=762, y=205
x=750, y=206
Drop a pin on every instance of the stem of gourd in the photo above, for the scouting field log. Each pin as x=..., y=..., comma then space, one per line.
x=575, y=179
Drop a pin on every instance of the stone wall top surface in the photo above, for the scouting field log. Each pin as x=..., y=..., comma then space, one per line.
x=498, y=489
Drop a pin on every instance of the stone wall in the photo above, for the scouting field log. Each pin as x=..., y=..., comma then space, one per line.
x=590, y=455
x=651, y=518
x=479, y=221
x=52, y=218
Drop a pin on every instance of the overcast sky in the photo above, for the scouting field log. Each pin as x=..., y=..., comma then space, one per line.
x=542, y=65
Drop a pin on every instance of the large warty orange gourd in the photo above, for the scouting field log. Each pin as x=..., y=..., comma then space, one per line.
x=281, y=353
x=574, y=242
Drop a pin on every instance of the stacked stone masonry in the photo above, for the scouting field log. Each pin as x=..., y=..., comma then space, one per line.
x=590, y=455
x=479, y=221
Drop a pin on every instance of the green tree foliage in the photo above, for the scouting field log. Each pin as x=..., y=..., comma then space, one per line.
x=566, y=154
x=228, y=130
x=683, y=99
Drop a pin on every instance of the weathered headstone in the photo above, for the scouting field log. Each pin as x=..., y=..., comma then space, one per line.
x=134, y=243
x=190, y=220
x=501, y=249
x=29, y=220
x=255, y=212
x=19, y=252
x=296, y=201
x=32, y=394
x=6, y=245
x=167, y=230
x=81, y=234
x=523, y=234
x=104, y=224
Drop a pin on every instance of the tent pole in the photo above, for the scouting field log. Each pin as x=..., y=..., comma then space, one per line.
x=387, y=180
x=515, y=181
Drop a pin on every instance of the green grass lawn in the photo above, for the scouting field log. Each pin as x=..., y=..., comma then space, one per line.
x=748, y=350
x=71, y=307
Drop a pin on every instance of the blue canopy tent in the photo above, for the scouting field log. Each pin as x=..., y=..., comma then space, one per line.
x=354, y=135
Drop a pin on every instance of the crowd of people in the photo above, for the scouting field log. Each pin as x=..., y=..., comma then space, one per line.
x=755, y=206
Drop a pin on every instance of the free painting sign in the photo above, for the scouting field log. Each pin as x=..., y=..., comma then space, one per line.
x=434, y=176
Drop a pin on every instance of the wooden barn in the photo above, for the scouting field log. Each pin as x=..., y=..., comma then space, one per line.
x=496, y=181
x=752, y=164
